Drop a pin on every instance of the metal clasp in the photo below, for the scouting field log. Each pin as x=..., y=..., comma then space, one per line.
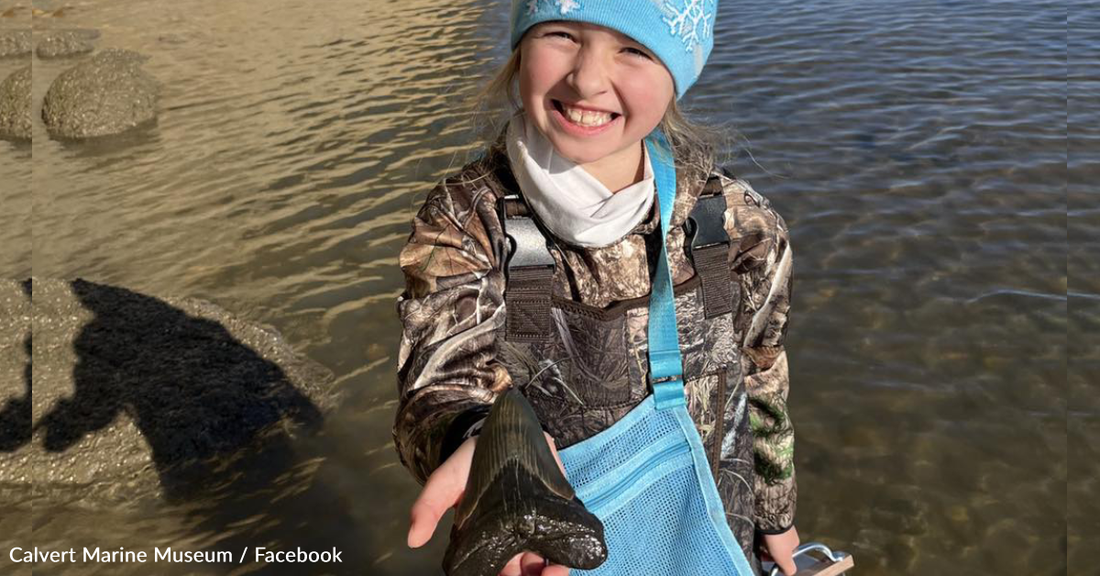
x=838, y=562
x=528, y=244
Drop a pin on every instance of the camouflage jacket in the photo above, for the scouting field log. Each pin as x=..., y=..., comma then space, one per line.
x=454, y=359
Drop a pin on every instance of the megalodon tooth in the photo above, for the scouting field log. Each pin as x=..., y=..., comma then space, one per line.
x=517, y=499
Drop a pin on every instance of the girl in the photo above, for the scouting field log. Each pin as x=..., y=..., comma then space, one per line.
x=532, y=266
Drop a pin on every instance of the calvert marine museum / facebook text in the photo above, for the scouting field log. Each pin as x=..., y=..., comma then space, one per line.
x=20, y=555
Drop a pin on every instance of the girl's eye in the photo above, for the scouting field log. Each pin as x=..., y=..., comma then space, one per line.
x=569, y=36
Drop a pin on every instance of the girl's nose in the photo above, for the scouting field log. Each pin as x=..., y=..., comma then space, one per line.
x=589, y=76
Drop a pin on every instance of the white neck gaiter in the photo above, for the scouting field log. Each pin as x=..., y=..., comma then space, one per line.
x=573, y=204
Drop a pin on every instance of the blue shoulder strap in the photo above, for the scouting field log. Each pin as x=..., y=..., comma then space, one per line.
x=665, y=367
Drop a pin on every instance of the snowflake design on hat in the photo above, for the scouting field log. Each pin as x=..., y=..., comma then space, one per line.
x=686, y=22
x=564, y=6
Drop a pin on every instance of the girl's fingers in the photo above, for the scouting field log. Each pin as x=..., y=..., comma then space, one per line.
x=513, y=568
x=425, y=515
x=532, y=564
x=555, y=570
x=441, y=492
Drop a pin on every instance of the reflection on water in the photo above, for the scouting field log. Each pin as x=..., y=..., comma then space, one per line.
x=917, y=151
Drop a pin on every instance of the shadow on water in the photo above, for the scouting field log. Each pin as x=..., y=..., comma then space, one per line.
x=222, y=423
x=15, y=417
x=192, y=389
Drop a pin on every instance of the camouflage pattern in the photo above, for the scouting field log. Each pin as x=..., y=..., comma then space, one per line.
x=592, y=369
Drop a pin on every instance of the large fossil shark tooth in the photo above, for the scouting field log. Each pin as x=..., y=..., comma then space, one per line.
x=517, y=499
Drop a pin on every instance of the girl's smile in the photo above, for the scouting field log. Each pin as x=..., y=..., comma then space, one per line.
x=581, y=122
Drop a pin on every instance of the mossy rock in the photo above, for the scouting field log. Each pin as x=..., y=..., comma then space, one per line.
x=15, y=105
x=15, y=43
x=66, y=43
x=105, y=95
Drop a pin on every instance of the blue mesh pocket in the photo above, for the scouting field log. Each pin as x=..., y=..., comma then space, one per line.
x=647, y=479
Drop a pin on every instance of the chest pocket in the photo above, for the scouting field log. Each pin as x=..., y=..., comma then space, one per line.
x=583, y=368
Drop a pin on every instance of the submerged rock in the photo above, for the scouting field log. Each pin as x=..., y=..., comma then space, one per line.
x=105, y=95
x=66, y=43
x=141, y=397
x=15, y=43
x=15, y=105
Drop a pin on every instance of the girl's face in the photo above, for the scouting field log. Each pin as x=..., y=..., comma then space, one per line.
x=570, y=67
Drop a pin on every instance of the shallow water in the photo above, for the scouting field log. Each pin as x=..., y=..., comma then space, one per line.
x=916, y=150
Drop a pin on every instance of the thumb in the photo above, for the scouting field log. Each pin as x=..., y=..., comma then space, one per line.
x=443, y=489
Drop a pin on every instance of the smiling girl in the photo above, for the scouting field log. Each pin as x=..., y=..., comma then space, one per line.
x=533, y=267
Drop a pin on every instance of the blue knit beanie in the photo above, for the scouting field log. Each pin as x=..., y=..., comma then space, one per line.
x=679, y=32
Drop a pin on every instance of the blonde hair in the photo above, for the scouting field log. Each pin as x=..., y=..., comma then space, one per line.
x=694, y=145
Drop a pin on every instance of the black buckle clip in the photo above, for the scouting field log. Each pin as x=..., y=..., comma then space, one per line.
x=706, y=222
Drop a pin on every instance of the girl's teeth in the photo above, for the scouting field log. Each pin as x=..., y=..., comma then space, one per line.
x=587, y=118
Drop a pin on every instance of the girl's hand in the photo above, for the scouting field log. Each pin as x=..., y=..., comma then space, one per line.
x=779, y=548
x=443, y=491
